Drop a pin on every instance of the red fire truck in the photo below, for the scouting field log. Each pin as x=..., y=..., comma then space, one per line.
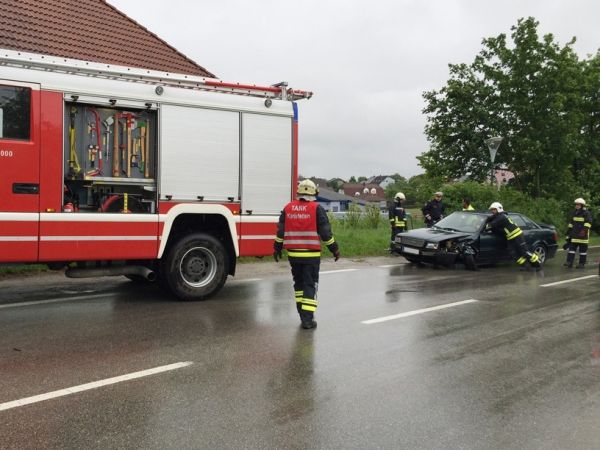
x=109, y=170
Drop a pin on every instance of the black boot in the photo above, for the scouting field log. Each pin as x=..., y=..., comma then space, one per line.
x=308, y=320
x=568, y=264
x=309, y=325
x=580, y=266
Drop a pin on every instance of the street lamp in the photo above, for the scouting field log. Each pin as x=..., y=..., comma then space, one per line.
x=493, y=144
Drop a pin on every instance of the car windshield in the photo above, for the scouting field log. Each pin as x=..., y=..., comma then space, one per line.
x=464, y=222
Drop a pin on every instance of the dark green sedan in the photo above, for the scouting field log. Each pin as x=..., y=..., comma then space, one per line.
x=461, y=238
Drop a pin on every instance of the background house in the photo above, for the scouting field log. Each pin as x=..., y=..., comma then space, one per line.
x=89, y=30
x=368, y=192
x=335, y=202
x=381, y=180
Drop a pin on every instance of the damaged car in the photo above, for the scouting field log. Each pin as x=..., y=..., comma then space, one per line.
x=462, y=238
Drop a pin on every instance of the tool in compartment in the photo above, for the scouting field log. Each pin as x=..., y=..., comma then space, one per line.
x=147, y=151
x=116, y=171
x=74, y=167
x=135, y=156
x=97, y=149
x=107, y=124
x=128, y=124
x=142, y=140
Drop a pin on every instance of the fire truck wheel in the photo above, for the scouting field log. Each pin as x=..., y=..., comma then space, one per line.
x=195, y=267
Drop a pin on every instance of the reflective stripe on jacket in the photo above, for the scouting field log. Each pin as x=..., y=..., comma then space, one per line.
x=579, y=228
x=397, y=215
x=502, y=224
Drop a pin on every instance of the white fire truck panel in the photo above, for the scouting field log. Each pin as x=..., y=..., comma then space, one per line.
x=266, y=163
x=200, y=153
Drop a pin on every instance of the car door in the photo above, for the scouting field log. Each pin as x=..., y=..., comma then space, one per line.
x=531, y=232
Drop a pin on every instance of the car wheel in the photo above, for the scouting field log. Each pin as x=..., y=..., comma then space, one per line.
x=540, y=251
x=470, y=262
x=195, y=267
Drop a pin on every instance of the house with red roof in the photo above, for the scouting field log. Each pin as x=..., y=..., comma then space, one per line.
x=89, y=30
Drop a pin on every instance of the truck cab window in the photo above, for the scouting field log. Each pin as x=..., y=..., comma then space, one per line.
x=15, y=112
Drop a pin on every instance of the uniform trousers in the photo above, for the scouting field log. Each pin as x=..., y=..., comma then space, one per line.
x=519, y=247
x=582, y=253
x=306, y=283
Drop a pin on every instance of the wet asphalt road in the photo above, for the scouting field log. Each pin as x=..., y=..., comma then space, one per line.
x=517, y=368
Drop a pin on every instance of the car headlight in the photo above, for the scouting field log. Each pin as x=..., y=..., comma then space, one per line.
x=398, y=239
x=432, y=246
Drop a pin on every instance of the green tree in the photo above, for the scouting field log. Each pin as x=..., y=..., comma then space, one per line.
x=529, y=93
x=361, y=179
x=352, y=179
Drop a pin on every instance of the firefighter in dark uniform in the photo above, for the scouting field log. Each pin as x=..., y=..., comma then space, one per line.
x=578, y=234
x=303, y=224
x=433, y=210
x=397, y=216
x=499, y=223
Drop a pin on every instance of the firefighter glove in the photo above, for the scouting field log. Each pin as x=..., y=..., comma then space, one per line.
x=566, y=245
x=277, y=255
x=336, y=255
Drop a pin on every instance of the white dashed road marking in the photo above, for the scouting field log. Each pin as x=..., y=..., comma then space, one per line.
x=338, y=271
x=56, y=300
x=94, y=385
x=418, y=311
x=568, y=281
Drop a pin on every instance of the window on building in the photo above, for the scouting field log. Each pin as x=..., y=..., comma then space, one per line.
x=373, y=191
x=366, y=190
x=15, y=112
x=335, y=209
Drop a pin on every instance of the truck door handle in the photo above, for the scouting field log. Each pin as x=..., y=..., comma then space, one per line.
x=25, y=188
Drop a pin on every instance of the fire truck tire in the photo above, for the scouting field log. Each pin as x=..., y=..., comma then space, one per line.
x=195, y=267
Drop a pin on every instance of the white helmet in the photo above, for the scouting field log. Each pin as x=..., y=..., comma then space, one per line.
x=307, y=187
x=400, y=196
x=580, y=201
x=497, y=206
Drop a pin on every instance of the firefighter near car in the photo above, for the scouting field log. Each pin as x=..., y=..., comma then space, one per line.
x=303, y=224
x=578, y=234
x=175, y=194
x=397, y=216
x=500, y=224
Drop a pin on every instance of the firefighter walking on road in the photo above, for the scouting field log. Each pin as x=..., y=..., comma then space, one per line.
x=397, y=216
x=303, y=224
x=578, y=234
x=500, y=224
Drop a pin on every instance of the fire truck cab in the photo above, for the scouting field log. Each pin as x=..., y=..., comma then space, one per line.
x=109, y=170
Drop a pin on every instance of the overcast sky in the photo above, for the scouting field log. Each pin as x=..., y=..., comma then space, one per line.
x=367, y=62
